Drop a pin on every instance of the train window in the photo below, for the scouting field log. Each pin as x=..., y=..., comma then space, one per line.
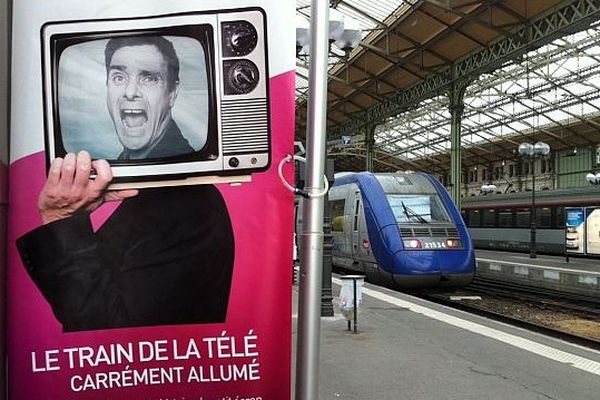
x=356, y=208
x=393, y=183
x=337, y=215
x=559, y=217
x=543, y=217
x=489, y=217
x=505, y=218
x=417, y=208
x=474, y=218
x=522, y=217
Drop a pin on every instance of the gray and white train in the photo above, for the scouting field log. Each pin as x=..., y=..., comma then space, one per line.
x=503, y=221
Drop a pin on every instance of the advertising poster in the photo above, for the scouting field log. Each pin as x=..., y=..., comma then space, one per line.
x=574, y=230
x=149, y=235
x=4, y=57
x=592, y=216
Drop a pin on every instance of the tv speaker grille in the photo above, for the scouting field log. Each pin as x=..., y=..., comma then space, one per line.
x=245, y=126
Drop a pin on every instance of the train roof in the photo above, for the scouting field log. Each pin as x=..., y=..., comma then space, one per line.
x=581, y=196
x=392, y=182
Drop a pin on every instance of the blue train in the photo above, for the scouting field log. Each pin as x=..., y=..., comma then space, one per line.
x=400, y=230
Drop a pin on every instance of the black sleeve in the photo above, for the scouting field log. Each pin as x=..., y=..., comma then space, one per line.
x=163, y=257
x=62, y=259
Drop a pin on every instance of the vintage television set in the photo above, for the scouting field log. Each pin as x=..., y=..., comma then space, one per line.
x=219, y=102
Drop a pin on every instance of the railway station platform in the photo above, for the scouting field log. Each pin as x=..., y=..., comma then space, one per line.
x=410, y=349
x=569, y=275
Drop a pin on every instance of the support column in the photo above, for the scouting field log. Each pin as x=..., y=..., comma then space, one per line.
x=327, y=293
x=456, y=96
x=370, y=146
x=311, y=268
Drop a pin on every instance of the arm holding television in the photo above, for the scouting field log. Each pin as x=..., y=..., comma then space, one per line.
x=69, y=188
x=61, y=256
x=164, y=256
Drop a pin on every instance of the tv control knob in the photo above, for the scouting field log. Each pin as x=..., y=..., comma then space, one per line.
x=244, y=39
x=242, y=77
x=239, y=38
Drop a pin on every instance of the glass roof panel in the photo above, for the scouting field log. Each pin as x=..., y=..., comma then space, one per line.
x=554, y=83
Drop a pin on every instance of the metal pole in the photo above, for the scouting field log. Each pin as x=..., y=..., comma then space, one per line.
x=532, y=245
x=354, y=304
x=370, y=146
x=309, y=302
x=456, y=96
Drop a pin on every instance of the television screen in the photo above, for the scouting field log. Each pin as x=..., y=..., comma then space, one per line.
x=120, y=96
x=84, y=90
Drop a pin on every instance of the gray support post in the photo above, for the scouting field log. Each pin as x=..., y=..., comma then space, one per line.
x=369, y=146
x=311, y=268
x=456, y=95
x=532, y=243
x=327, y=293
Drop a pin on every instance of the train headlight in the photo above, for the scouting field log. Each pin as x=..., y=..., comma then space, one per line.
x=453, y=243
x=412, y=244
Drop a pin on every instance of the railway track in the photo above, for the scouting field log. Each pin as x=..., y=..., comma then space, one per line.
x=550, y=301
x=564, y=301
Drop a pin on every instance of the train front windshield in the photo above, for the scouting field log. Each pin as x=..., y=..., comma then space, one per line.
x=418, y=209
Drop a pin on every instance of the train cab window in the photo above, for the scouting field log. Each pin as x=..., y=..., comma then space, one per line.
x=522, y=217
x=474, y=218
x=489, y=217
x=505, y=218
x=337, y=215
x=418, y=208
x=543, y=217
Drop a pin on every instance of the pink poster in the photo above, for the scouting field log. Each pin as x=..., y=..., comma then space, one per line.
x=150, y=236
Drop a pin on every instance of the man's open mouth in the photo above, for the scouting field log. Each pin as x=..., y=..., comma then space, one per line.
x=133, y=118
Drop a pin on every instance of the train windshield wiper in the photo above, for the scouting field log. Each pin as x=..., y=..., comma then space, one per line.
x=411, y=213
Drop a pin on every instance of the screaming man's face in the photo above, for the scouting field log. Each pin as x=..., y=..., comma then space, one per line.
x=138, y=96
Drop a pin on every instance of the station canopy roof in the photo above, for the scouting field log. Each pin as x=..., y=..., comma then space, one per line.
x=532, y=68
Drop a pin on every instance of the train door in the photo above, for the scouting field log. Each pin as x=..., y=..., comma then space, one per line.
x=355, y=229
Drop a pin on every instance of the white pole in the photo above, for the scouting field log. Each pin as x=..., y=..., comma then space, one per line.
x=311, y=265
